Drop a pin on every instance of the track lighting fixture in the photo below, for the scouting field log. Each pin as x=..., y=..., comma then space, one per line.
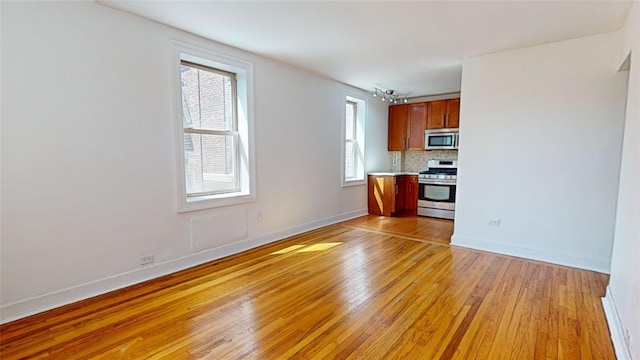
x=391, y=95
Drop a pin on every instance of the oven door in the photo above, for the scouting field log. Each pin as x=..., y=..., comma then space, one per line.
x=437, y=194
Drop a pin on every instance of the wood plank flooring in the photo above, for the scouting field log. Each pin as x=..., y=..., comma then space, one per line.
x=407, y=225
x=340, y=292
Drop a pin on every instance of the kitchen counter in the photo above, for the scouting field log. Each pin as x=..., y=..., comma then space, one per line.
x=391, y=173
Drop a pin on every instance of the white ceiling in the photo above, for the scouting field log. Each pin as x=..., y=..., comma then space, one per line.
x=414, y=47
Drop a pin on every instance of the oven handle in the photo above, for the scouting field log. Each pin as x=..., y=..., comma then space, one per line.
x=432, y=182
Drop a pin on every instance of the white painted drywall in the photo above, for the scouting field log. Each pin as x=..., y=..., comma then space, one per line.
x=624, y=284
x=540, y=134
x=88, y=164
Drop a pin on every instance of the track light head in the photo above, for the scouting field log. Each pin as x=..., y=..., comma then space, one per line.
x=391, y=95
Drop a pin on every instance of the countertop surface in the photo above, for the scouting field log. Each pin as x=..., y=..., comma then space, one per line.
x=391, y=173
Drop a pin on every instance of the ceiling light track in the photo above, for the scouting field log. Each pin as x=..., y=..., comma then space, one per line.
x=390, y=95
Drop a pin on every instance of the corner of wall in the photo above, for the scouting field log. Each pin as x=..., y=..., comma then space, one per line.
x=615, y=327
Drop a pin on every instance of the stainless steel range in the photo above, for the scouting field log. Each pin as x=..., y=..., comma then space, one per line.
x=437, y=189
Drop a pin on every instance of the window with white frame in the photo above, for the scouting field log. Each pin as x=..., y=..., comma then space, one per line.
x=215, y=131
x=353, y=154
x=210, y=125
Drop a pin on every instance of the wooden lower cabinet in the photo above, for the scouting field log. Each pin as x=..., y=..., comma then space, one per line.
x=411, y=198
x=400, y=193
x=390, y=195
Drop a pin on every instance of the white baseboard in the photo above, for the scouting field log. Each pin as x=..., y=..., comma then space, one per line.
x=615, y=327
x=27, y=307
x=601, y=266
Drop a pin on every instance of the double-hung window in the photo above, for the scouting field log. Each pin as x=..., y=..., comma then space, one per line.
x=353, y=146
x=215, y=156
x=210, y=122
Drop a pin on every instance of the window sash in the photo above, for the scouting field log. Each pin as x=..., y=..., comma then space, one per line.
x=357, y=160
x=234, y=90
x=354, y=156
x=208, y=68
x=234, y=166
x=354, y=121
x=233, y=133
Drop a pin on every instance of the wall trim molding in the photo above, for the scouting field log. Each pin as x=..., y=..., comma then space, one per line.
x=615, y=327
x=34, y=305
x=601, y=266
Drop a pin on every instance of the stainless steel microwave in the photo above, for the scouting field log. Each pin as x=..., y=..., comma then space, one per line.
x=441, y=139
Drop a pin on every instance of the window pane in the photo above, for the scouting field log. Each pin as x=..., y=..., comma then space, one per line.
x=349, y=159
x=206, y=99
x=209, y=163
x=350, y=121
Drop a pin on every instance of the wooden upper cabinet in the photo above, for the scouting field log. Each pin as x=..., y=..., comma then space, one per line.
x=436, y=114
x=407, y=122
x=453, y=113
x=416, y=126
x=443, y=114
x=406, y=126
x=398, y=116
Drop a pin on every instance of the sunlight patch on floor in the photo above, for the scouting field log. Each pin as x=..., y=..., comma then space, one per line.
x=307, y=248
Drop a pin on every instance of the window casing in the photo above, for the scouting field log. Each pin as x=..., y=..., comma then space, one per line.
x=353, y=144
x=214, y=128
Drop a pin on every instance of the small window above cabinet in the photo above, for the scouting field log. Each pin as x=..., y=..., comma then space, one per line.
x=407, y=123
x=443, y=114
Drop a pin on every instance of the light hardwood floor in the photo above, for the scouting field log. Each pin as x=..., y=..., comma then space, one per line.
x=408, y=226
x=344, y=291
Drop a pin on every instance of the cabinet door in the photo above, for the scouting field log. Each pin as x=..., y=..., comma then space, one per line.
x=453, y=113
x=417, y=125
x=436, y=111
x=374, y=205
x=411, y=200
x=398, y=115
x=400, y=193
x=381, y=195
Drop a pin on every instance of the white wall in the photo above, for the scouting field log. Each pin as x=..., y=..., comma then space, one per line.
x=541, y=131
x=623, y=295
x=88, y=165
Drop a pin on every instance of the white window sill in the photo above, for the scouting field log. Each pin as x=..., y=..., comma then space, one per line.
x=214, y=201
x=358, y=182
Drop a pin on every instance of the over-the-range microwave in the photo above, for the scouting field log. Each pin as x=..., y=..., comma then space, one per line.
x=441, y=139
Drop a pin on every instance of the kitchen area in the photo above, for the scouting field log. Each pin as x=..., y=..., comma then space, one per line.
x=423, y=142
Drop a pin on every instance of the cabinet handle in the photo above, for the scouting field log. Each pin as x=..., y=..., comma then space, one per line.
x=396, y=189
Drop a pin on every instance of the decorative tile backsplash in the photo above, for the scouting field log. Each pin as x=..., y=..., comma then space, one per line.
x=415, y=161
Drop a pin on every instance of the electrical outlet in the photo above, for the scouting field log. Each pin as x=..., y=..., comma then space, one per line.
x=494, y=222
x=627, y=337
x=147, y=259
x=260, y=217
